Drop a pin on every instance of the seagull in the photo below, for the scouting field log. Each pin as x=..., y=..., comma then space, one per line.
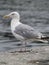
x=24, y=32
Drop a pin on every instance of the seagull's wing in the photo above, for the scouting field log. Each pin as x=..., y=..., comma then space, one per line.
x=27, y=31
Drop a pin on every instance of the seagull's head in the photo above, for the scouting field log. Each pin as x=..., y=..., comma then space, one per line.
x=12, y=15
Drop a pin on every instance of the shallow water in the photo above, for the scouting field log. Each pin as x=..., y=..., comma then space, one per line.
x=33, y=12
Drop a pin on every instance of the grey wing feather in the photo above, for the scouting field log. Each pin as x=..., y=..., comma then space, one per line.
x=26, y=31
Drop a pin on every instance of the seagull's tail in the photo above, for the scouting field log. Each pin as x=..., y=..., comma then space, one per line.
x=44, y=39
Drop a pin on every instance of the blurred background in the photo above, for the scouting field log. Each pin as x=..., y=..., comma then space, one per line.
x=32, y=12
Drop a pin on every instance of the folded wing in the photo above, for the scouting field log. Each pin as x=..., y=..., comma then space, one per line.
x=27, y=32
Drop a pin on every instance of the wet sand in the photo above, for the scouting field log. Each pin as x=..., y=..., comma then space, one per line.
x=35, y=56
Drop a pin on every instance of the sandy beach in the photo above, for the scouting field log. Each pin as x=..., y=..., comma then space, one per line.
x=36, y=56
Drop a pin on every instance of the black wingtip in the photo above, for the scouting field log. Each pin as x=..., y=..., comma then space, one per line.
x=45, y=38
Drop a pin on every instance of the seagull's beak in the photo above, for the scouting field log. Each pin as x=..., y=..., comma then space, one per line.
x=6, y=16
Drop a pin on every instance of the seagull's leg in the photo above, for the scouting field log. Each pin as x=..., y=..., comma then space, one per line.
x=25, y=45
x=22, y=46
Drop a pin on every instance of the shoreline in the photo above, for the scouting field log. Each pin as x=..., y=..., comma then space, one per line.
x=37, y=56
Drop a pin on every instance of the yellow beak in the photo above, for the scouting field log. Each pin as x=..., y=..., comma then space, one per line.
x=6, y=16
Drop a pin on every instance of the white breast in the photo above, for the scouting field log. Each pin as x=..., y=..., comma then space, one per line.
x=15, y=23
